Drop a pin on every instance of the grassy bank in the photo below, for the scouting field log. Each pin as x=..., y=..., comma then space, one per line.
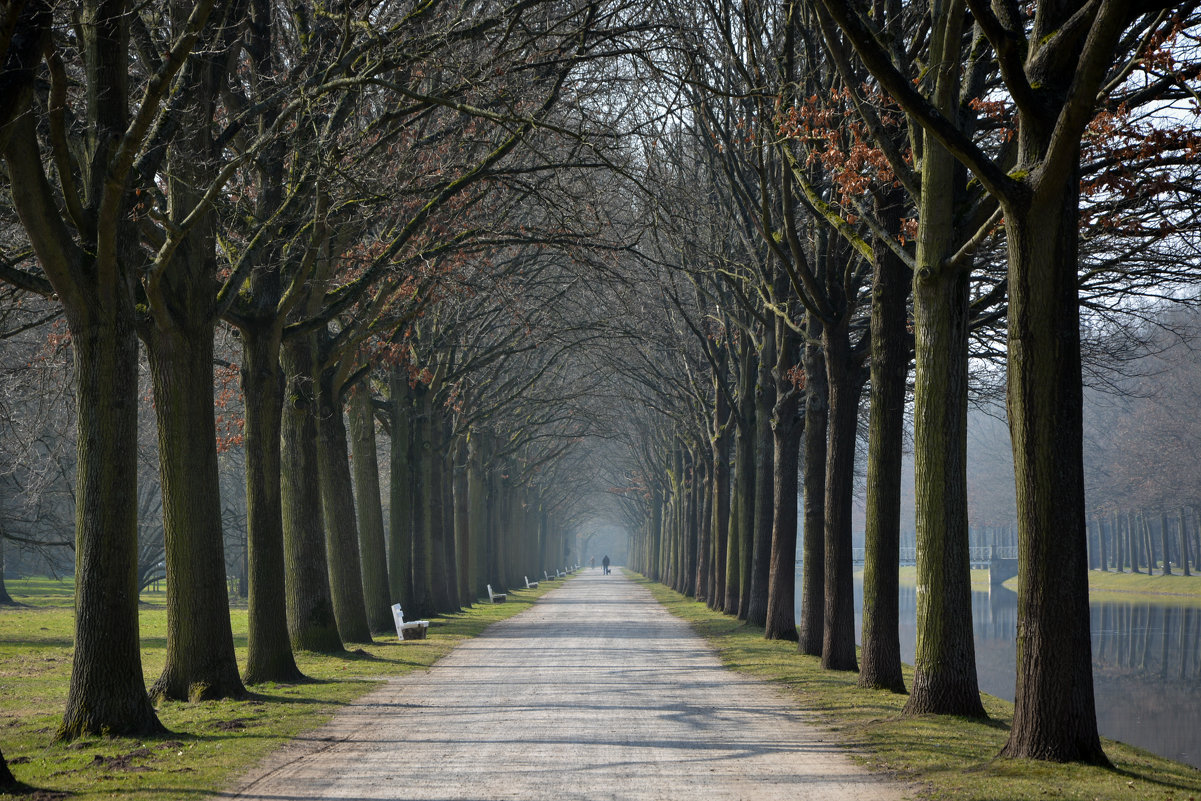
x=1176, y=589
x=946, y=758
x=211, y=743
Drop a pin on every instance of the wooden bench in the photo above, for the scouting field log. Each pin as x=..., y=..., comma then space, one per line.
x=413, y=630
x=530, y=585
x=496, y=597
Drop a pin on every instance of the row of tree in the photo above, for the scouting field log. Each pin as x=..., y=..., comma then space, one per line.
x=958, y=184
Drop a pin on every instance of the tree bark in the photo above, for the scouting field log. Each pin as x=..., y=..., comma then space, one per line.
x=721, y=500
x=786, y=426
x=311, y=622
x=881, y=651
x=813, y=577
x=370, y=511
x=761, y=557
x=423, y=603
x=401, y=493
x=337, y=507
x=200, y=663
x=838, y=630
x=1054, y=710
x=269, y=650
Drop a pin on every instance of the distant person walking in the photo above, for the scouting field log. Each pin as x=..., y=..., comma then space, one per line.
x=593, y=564
x=605, y=564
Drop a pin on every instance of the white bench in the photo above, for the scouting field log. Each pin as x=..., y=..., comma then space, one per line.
x=530, y=585
x=496, y=597
x=546, y=575
x=413, y=630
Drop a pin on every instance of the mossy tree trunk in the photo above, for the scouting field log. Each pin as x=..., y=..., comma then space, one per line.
x=372, y=549
x=312, y=625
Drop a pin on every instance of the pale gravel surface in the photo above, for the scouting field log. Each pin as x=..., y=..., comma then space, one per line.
x=596, y=692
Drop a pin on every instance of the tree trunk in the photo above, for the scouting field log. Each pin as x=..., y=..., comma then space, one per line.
x=838, y=631
x=401, y=493
x=881, y=652
x=1164, y=540
x=761, y=558
x=721, y=500
x=311, y=622
x=5, y=598
x=813, y=544
x=106, y=695
x=1054, y=710
x=1102, y=545
x=704, y=546
x=269, y=650
x=370, y=510
x=1184, y=550
x=423, y=602
x=477, y=513
x=337, y=507
x=462, y=526
x=200, y=663
x=786, y=427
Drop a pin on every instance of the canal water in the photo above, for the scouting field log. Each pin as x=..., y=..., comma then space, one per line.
x=1146, y=664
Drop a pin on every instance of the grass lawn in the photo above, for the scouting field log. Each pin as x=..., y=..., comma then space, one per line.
x=1174, y=590
x=946, y=758
x=211, y=743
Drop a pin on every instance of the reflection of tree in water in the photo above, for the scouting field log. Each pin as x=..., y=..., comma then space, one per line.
x=1147, y=640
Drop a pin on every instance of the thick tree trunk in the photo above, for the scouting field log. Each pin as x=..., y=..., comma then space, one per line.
x=5, y=598
x=813, y=470
x=464, y=546
x=401, y=495
x=881, y=652
x=1054, y=710
x=269, y=650
x=337, y=507
x=311, y=622
x=200, y=663
x=691, y=530
x=370, y=511
x=765, y=400
x=7, y=781
x=786, y=428
x=106, y=695
x=444, y=568
x=845, y=387
x=477, y=513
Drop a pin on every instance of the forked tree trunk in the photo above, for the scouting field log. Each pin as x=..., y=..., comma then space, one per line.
x=268, y=649
x=813, y=473
x=845, y=387
x=881, y=652
x=200, y=663
x=311, y=622
x=337, y=507
x=372, y=550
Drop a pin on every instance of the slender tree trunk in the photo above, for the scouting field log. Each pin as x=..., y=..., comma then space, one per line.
x=402, y=500
x=477, y=513
x=1164, y=540
x=881, y=652
x=311, y=622
x=424, y=602
x=721, y=500
x=268, y=648
x=838, y=632
x=1184, y=551
x=786, y=426
x=765, y=400
x=370, y=510
x=200, y=663
x=337, y=506
x=462, y=524
x=704, y=547
x=1102, y=545
x=813, y=579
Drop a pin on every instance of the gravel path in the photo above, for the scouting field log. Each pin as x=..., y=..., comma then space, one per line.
x=596, y=692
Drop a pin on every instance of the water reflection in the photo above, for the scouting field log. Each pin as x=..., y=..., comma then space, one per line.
x=1146, y=665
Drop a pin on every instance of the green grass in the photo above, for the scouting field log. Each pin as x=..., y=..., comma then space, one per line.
x=946, y=758
x=211, y=744
x=1175, y=589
